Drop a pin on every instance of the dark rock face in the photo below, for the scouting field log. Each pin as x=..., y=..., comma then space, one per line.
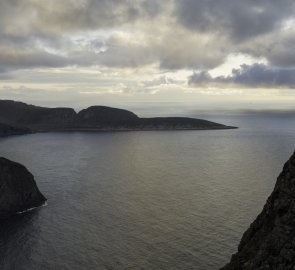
x=269, y=243
x=93, y=118
x=6, y=130
x=18, y=189
x=34, y=117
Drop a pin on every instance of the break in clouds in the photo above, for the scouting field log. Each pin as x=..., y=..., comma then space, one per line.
x=257, y=75
x=193, y=35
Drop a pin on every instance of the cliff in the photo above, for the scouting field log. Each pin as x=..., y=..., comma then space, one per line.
x=269, y=243
x=18, y=189
x=35, y=117
x=93, y=118
x=7, y=130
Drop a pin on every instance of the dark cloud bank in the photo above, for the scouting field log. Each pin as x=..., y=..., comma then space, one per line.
x=239, y=19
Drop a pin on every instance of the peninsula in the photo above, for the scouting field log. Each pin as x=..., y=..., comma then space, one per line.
x=94, y=118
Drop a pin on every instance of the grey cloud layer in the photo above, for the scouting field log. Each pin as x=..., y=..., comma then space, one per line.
x=55, y=16
x=184, y=34
x=257, y=75
x=239, y=19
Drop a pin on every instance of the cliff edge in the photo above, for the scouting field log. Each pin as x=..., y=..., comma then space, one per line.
x=269, y=243
x=18, y=189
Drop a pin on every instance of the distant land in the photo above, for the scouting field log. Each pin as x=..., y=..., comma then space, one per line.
x=30, y=118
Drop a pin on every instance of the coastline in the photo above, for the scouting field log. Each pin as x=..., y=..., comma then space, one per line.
x=32, y=208
x=128, y=129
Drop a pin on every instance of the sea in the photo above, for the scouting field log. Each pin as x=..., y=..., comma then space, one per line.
x=145, y=200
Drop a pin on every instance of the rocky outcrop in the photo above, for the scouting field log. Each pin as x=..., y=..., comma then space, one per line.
x=7, y=130
x=269, y=243
x=18, y=189
x=93, y=118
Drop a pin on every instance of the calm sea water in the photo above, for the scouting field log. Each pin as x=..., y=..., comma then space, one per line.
x=144, y=200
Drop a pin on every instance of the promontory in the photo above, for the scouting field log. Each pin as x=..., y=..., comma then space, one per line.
x=94, y=118
x=18, y=189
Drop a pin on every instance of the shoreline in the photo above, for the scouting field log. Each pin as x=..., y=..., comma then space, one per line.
x=32, y=208
x=128, y=129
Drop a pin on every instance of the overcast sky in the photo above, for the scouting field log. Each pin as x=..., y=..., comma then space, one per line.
x=196, y=54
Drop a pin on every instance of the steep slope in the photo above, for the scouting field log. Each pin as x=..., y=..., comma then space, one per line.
x=269, y=243
x=18, y=189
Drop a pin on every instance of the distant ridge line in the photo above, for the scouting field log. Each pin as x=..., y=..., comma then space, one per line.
x=94, y=118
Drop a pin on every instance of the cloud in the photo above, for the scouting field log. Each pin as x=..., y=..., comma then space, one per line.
x=170, y=48
x=172, y=35
x=5, y=76
x=240, y=20
x=20, y=17
x=111, y=33
x=117, y=49
x=257, y=75
x=15, y=58
x=36, y=33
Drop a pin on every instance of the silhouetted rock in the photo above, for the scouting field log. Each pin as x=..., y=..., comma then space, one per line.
x=18, y=190
x=7, y=130
x=269, y=243
x=101, y=116
x=34, y=117
x=97, y=118
x=178, y=123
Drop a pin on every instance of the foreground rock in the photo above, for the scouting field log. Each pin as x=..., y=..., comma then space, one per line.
x=269, y=243
x=18, y=189
x=95, y=118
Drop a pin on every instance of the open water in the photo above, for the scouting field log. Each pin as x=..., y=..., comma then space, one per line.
x=144, y=200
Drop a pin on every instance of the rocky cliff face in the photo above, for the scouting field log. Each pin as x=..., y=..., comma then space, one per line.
x=18, y=190
x=6, y=130
x=269, y=243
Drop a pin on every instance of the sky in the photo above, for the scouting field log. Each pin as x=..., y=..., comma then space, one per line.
x=149, y=55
